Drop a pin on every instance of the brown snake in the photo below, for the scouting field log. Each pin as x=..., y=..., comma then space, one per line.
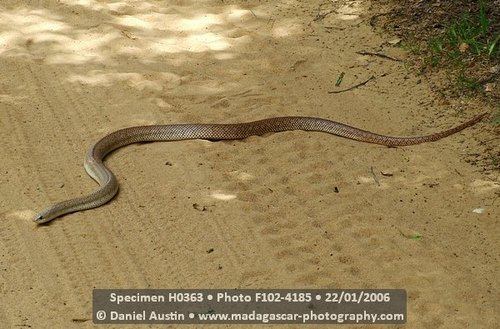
x=109, y=187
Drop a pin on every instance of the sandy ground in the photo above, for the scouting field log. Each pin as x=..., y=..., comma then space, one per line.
x=288, y=210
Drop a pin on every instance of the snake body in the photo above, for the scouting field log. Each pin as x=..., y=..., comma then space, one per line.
x=108, y=185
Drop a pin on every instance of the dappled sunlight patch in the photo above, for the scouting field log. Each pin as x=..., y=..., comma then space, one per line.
x=198, y=23
x=224, y=56
x=153, y=81
x=116, y=7
x=130, y=51
x=11, y=100
x=480, y=186
x=222, y=196
x=90, y=4
x=104, y=79
x=32, y=21
x=349, y=11
x=85, y=47
x=201, y=42
x=162, y=103
x=133, y=21
x=24, y=214
x=243, y=176
x=45, y=37
x=237, y=15
x=286, y=27
x=193, y=34
x=19, y=28
x=136, y=34
x=67, y=58
x=205, y=87
x=41, y=34
x=170, y=22
x=147, y=85
x=192, y=43
x=38, y=27
x=144, y=36
x=7, y=41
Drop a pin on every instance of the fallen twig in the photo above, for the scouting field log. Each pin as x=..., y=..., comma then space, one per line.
x=334, y=28
x=352, y=87
x=128, y=34
x=368, y=53
x=321, y=16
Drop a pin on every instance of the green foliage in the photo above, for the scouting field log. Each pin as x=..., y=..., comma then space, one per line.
x=468, y=35
x=493, y=46
x=464, y=41
x=496, y=118
x=416, y=236
x=468, y=83
x=413, y=48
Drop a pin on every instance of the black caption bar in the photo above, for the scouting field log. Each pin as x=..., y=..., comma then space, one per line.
x=245, y=306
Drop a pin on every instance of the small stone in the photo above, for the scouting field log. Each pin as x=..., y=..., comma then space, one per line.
x=489, y=87
x=199, y=207
x=478, y=210
x=394, y=41
x=463, y=47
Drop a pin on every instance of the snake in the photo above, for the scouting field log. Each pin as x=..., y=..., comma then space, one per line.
x=108, y=185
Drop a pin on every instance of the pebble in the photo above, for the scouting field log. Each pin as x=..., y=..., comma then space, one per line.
x=478, y=210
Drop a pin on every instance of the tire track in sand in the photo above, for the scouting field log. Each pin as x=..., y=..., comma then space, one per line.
x=144, y=220
x=66, y=251
x=120, y=265
x=282, y=229
x=63, y=257
x=126, y=260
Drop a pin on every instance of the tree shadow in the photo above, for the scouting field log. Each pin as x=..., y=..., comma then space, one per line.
x=145, y=44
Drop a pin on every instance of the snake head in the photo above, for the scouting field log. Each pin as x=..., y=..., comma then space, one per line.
x=46, y=215
x=52, y=212
x=40, y=218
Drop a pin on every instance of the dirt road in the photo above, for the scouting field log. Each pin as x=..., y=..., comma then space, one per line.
x=282, y=211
